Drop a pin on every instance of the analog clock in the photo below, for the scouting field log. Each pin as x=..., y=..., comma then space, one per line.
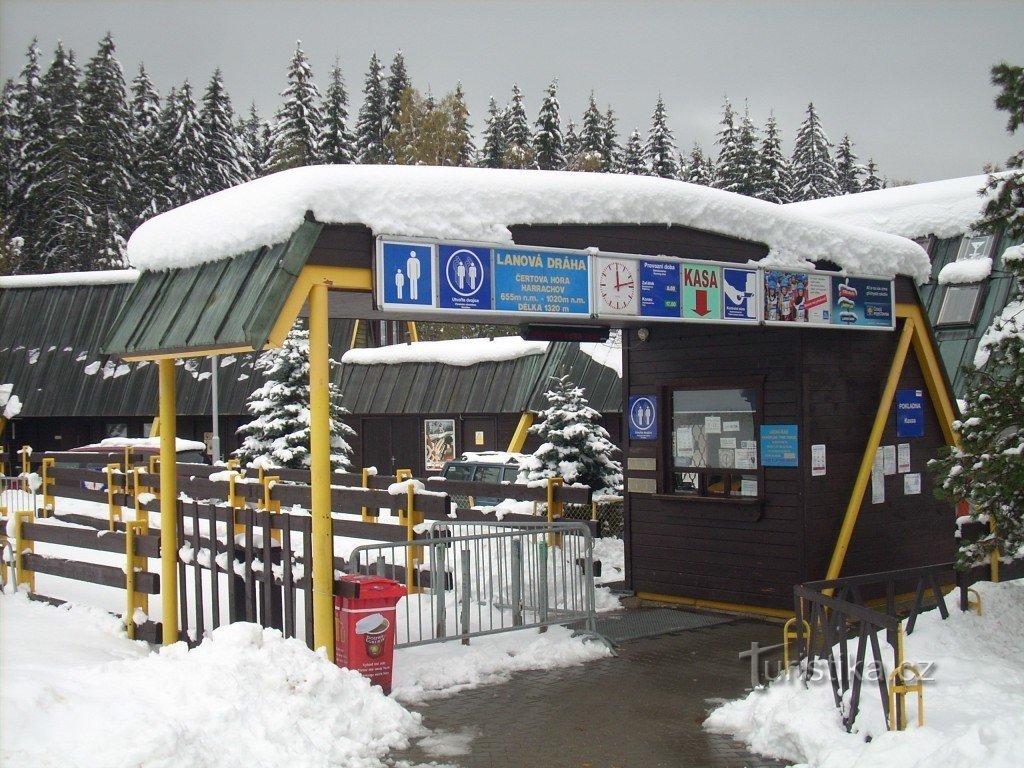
x=617, y=284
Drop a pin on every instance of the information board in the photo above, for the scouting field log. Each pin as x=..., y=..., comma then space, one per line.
x=862, y=302
x=909, y=413
x=541, y=282
x=659, y=289
x=779, y=446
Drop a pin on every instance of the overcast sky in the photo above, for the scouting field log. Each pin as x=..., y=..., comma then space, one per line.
x=908, y=81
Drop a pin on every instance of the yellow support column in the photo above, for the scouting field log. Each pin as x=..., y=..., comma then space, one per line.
x=168, y=504
x=49, y=503
x=21, y=546
x=320, y=472
x=113, y=510
x=134, y=600
x=522, y=430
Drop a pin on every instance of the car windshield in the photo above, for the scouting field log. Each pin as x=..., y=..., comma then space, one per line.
x=458, y=472
x=488, y=474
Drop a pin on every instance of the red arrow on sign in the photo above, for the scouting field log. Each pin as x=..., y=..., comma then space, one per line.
x=701, y=306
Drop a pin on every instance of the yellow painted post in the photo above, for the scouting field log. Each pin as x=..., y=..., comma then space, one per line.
x=49, y=502
x=367, y=517
x=993, y=559
x=133, y=562
x=270, y=504
x=320, y=471
x=789, y=634
x=400, y=476
x=20, y=547
x=413, y=555
x=554, y=540
x=26, y=454
x=136, y=490
x=168, y=503
x=881, y=418
x=113, y=510
x=235, y=501
x=413, y=333
x=522, y=430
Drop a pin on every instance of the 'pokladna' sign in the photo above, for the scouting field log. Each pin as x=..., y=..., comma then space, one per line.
x=434, y=278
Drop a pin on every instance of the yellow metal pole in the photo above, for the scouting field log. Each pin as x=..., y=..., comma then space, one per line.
x=522, y=430
x=168, y=504
x=320, y=472
x=881, y=417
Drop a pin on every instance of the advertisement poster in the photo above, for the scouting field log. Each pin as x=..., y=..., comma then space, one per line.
x=438, y=443
x=659, y=289
x=796, y=297
x=538, y=281
x=862, y=302
x=465, y=277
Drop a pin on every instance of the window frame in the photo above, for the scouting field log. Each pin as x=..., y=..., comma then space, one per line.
x=961, y=321
x=668, y=392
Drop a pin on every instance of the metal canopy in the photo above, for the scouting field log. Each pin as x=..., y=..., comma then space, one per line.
x=227, y=305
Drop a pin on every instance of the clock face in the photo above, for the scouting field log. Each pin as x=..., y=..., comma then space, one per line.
x=617, y=284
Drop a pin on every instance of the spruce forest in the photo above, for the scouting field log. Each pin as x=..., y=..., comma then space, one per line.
x=87, y=155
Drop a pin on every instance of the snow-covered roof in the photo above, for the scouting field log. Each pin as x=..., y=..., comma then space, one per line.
x=101, y=277
x=942, y=208
x=480, y=204
x=460, y=352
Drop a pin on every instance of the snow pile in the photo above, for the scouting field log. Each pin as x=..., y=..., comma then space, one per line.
x=974, y=702
x=1010, y=321
x=480, y=204
x=965, y=271
x=180, y=444
x=460, y=352
x=942, y=208
x=10, y=404
x=244, y=697
x=608, y=353
x=99, y=277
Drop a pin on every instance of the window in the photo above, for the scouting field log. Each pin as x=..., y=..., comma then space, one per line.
x=960, y=304
x=963, y=294
x=714, y=442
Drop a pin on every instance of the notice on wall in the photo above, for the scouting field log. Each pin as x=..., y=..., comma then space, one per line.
x=877, y=487
x=779, y=445
x=684, y=440
x=912, y=483
x=748, y=486
x=889, y=459
x=727, y=442
x=903, y=457
x=818, y=460
x=730, y=426
x=712, y=425
x=746, y=455
x=726, y=458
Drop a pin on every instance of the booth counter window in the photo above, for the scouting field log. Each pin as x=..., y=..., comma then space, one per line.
x=714, y=442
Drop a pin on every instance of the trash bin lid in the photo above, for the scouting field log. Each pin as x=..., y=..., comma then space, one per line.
x=357, y=585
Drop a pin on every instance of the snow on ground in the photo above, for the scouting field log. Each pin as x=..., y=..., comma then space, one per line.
x=973, y=699
x=480, y=204
x=244, y=697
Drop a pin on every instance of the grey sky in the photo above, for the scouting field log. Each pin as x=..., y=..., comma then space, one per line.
x=909, y=81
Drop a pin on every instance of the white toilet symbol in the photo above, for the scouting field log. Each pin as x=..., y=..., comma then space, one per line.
x=399, y=282
x=460, y=273
x=472, y=274
x=412, y=269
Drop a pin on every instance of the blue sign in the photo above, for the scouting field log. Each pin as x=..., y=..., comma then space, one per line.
x=643, y=417
x=465, y=277
x=408, y=270
x=659, y=289
x=739, y=294
x=779, y=446
x=862, y=303
x=910, y=413
x=539, y=281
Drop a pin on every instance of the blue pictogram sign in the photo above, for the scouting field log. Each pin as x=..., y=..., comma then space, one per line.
x=465, y=277
x=643, y=417
x=408, y=274
x=739, y=294
x=909, y=413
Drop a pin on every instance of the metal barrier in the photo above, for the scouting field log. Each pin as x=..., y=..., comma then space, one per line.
x=17, y=494
x=481, y=578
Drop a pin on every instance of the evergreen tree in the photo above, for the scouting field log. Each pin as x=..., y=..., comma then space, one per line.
x=148, y=167
x=571, y=147
x=278, y=436
x=372, y=124
x=256, y=136
x=774, y=176
x=10, y=151
x=814, y=172
x=462, y=130
x=495, y=143
x=987, y=468
x=65, y=233
x=227, y=162
x=518, y=147
x=871, y=179
x=574, y=445
x=337, y=144
x=848, y=171
x=398, y=83
x=698, y=168
x=548, y=147
x=727, y=150
x=610, y=148
x=1006, y=206
x=592, y=139
x=298, y=126
x=660, y=151
x=738, y=161
x=633, y=160
x=30, y=124
x=107, y=148
x=182, y=146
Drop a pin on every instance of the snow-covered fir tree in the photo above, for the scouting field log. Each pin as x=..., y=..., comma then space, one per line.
x=699, y=169
x=255, y=134
x=462, y=130
x=107, y=148
x=398, y=83
x=660, y=150
x=31, y=116
x=633, y=160
x=372, y=123
x=871, y=179
x=571, y=147
x=227, y=162
x=738, y=160
x=987, y=468
x=773, y=169
x=726, y=142
x=337, y=143
x=848, y=170
x=590, y=154
x=182, y=145
x=813, y=169
x=610, y=147
x=148, y=167
x=518, y=144
x=1006, y=205
x=574, y=445
x=10, y=151
x=495, y=144
x=278, y=435
x=298, y=125
x=548, y=149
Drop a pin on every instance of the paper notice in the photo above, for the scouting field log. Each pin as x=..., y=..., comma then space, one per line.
x=889, y=459
x=903, y=457
x=712, y=425
x=818, y=460
x=748, y=486
x=877, y=487
x=730, y=426
x=727, y=442
x=912, y=483
x=746, y=458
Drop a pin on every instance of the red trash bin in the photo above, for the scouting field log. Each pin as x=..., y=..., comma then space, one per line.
x=364, y=626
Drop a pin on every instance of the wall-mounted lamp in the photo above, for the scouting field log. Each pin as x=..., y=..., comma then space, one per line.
x=643, y=334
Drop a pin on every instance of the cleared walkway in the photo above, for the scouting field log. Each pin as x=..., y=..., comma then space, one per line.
x=643, y=708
